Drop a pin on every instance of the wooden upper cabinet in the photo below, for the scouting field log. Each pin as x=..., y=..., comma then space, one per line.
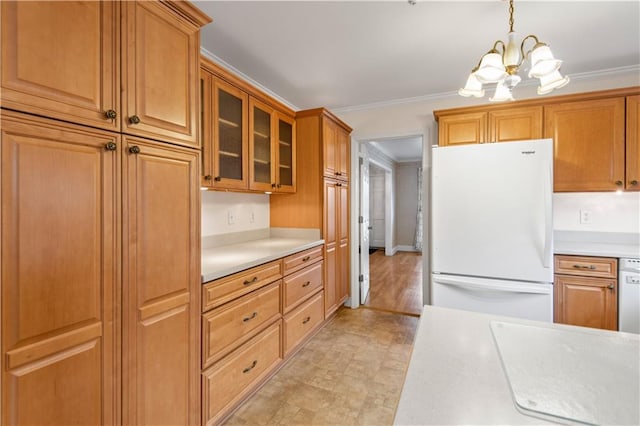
x=589, y=140
x=161, y=284
x=262, y=155
x=462, y=129
x=335, y=149
x=632, y=182
x=285, y=151
x=60, y=250
x=206, y=129
x=160, y=63
x=514, y=124
x=62, y=60
x=230, y=144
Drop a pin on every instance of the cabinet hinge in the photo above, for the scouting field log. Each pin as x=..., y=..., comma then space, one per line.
x=360, y=278
x=360, y=219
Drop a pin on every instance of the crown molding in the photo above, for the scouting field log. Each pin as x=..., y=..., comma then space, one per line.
x=218, y=61
x=591, y=75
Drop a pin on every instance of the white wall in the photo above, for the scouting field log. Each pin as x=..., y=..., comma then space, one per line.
x=609, y=211
x=250, y=211
x=406, y=204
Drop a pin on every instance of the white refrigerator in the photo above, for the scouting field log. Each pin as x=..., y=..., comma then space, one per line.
x=492, y=228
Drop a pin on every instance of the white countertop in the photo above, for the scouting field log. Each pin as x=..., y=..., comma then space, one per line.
x=228, y=259
x=455, y=375
x=605, y=244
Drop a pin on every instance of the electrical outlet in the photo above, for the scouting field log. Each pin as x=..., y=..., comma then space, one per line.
x=585, y=216
x=231, y=217
x=252, y=217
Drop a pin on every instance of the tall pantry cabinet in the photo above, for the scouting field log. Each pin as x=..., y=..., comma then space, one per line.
x=99, y=278
x=321, y=200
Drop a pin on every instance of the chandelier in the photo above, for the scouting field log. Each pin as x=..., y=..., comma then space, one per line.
x=502, y=66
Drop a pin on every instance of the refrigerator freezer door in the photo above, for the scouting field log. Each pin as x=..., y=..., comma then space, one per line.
x=492, y=210
x=532, y=301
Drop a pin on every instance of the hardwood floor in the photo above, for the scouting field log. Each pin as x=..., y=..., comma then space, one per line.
x=351, y=372
x=395, y=282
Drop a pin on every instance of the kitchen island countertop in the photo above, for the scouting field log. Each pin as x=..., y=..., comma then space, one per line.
x=224, y=260
x=455, y=375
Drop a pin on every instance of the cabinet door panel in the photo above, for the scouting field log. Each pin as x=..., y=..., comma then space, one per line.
x=206, y=129
x=59, y=314
x=587, y=302
x=632, y=182
x=462, y=129
x=330, y=272
x=344, y=157
x=262, y=155
x=161, y=285
x=61, y=60
x=285, y=154
x=160, y=66
x=513, y=124
x=588, y=144
x=330, y=147
x=330, y=212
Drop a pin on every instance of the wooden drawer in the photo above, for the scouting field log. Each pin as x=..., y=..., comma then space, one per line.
x=604, y=267
x=220, y=291
x=302, y=321
x=228, y=326
x=300, y=285
x=232, y=378
x=299, y=260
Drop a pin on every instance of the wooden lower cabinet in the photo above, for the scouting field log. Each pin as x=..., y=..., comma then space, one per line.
x=586, y=291
x=60, y=273
x=229, y=380
x=98, y=321
x=253, y=320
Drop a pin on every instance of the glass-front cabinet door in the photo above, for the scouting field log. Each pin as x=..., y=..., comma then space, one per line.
x=229, y=136
x=261, y=147
x=285, y=154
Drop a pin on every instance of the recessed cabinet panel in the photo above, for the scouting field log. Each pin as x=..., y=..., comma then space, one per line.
x=261, y=146
x=160, y=65
x=632, y=182
x=59, y=273
x=589, y=144
x=62, y=60
x=514, y=124
x=461, y=129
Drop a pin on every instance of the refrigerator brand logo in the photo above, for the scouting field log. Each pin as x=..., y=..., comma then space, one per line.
x=528, y=152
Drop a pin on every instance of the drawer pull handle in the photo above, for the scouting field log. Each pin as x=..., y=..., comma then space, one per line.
x=251, y=367
x=610, y=286
x=592, y=267
x=306, y=284
x=306, y=320
x=253, y=315
x=251, y=281
x=304, y=259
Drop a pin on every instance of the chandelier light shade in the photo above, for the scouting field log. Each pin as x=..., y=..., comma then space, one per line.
x=501, y=67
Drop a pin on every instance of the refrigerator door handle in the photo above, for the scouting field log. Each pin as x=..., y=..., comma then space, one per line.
x=548, y=217
x=492, y=285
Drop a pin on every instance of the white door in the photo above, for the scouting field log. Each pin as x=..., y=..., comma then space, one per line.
x=377, y=206
x=364, y=230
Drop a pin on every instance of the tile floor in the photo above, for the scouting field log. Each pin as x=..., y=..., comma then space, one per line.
x=350, y=373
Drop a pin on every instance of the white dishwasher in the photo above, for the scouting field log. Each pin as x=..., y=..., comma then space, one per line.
x=629, y=296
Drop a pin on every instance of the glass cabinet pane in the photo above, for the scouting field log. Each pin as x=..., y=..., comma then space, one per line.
x=261, y=146
x=230, y=128
x=285, y=153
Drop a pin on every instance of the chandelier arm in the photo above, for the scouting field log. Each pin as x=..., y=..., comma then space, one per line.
x=525, y=54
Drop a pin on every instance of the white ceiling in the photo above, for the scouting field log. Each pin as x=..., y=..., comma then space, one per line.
x=343, y=54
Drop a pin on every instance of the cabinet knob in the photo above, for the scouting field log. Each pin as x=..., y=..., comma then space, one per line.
x=111, y=114
x=207, y=177
x=134, y=119
x=111, y=146
x=610, y=286
x=634, y=182
x=619, y=183
x=273, y=185
x=217, y=178
x=134, y=149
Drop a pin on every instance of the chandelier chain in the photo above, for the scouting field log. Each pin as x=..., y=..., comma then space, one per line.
x=510, y=15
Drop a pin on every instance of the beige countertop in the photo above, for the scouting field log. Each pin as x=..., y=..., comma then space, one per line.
x=605, y=244
x=228, y=259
